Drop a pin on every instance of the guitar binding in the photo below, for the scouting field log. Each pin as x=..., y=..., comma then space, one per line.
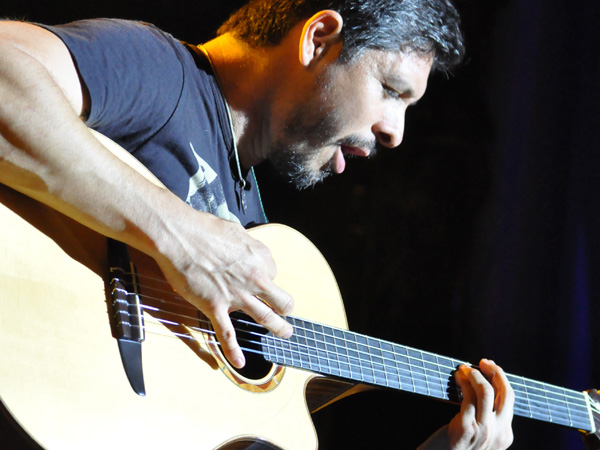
x=259, y=374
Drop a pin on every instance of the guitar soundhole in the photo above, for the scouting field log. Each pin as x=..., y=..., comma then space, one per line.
x=248, y=336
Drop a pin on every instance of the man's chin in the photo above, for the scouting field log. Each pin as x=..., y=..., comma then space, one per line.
x=297, y=172
x=304, y=179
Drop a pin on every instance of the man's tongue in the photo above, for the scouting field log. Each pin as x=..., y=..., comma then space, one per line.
x=339, y=163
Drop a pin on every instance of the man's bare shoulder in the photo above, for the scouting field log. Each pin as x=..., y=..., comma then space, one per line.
x=31, y=40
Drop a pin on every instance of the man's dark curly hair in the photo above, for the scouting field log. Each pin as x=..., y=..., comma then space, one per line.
x=420, y=26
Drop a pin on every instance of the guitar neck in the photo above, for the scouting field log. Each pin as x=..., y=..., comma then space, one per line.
x=356, y=357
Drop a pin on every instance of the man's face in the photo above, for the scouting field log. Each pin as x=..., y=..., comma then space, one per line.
x=349, y=109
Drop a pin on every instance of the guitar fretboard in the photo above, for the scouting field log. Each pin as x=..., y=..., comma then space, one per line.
x=352, y=356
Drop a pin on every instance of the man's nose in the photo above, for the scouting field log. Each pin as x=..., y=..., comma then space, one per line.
x=389, y=133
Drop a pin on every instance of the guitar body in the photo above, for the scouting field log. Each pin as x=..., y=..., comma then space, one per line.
x=62, y=381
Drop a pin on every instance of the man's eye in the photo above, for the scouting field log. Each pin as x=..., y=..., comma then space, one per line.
x=391, y=92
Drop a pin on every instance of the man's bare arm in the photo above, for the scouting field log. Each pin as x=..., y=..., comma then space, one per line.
x=47, y=152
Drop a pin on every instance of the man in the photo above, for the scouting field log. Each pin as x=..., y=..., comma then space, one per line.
x=303, y=86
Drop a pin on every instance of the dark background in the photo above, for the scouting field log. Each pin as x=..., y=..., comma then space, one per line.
x=479, y=236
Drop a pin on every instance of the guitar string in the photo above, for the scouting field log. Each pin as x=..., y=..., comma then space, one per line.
x=432, y=373
x=410, y=366
x=262, y=344
x=543, y=404
x=428, y=372
x=180, y=301
x=259, y=327
x=415, y=381
x=565, y=413
x=582, y=418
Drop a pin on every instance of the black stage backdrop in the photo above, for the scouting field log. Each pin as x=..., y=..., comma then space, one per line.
x=480, y=235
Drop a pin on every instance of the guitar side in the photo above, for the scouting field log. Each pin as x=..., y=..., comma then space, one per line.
x=62, y=379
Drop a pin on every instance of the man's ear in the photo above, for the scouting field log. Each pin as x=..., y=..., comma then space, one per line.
x=320, y=32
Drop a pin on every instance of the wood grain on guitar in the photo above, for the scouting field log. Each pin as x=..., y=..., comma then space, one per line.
x=63, y=386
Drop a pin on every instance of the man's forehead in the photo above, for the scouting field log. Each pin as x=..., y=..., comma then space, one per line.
x=403, y=60
x=394, y=61
x=404, y=70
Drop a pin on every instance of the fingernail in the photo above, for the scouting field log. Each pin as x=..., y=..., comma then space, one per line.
x=239, y=363
x=289, y=333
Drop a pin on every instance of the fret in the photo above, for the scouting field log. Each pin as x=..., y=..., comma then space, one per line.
x=394, y=379
x=454, y=387
x=447, y=367
x=402, y=362
x=304, y=347
x=418, y=371
x=368, y=375
x=344, y=357
x=434, y=376
x=556, y=408
x=355, y=367
x=313, y=351
x=568, y=409
x=537, y=402
x=282, y=352
x=440, y=378
x=393, y=373
x=378, y=362
x=522, y=405
x=293, y=352
x=301, y=346
x=296, y=346
x=544, y=401
x=437, y=379
x=331, y=352
x=577, y=408
x=317, y=346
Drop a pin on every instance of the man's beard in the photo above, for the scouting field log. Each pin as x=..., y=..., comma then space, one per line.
x=308, y=129
x=296, y=164
x=295, y=157
x=311, y=128
x=295, y=167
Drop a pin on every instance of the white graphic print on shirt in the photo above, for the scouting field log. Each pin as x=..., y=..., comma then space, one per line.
x=205, y=193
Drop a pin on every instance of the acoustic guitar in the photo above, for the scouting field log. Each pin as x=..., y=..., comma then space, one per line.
x=98, y=352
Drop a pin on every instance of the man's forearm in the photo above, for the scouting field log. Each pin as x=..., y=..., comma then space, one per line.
x=48, y=153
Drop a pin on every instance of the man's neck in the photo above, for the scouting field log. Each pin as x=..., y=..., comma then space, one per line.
x=243, y=73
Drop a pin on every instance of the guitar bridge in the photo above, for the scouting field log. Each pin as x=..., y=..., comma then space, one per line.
x=126, y=313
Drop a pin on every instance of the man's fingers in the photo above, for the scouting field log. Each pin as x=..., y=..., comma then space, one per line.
x=478, y=395
x=225, y=333
x=265, y=316
x=478, y=425
x=469, y=398
x=261, y=313
x=503, y=404
x=278, y=299
x=485, y=396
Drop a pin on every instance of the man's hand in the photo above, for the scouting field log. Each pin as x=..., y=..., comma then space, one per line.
x=486, y=412
x=215, y=265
